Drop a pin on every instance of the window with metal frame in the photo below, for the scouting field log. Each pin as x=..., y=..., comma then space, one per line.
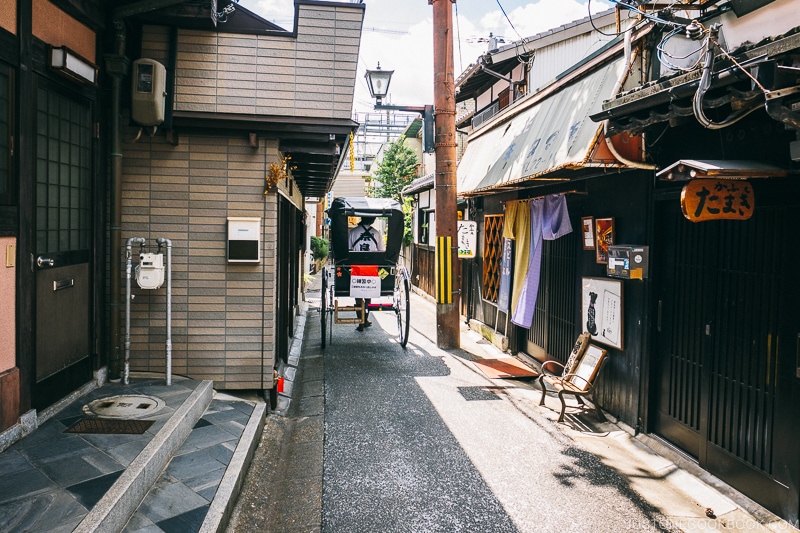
x=63, y=173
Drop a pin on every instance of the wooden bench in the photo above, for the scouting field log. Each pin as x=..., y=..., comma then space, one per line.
x=576, y=378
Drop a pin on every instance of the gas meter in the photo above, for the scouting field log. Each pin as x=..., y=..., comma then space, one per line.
x=150, y=271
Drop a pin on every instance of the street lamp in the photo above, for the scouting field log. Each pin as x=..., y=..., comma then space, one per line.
x=378, y=85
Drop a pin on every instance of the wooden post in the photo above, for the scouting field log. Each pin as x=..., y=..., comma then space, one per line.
x=447, y=309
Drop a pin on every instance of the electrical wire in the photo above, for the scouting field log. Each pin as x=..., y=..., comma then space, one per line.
x=512, y=26
x=705, y=85
x=663, y=54
x=591, y=21
x=458, y=38
x=645, y=14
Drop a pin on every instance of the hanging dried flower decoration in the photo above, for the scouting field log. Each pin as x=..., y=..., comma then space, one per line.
x=277, y=172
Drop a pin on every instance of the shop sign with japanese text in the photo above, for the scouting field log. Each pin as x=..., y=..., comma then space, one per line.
x=710, y=199
x=467, y=239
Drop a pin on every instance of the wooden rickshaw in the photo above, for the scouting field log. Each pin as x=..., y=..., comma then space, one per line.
x=364, y=275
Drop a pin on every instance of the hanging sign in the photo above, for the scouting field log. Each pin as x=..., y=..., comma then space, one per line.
x=365, y=281
x=505, y=277
x=709, y=199
x=467, y=238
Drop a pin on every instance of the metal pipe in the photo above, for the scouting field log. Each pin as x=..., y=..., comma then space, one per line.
x=168, y=242
x=117, y=65
x=128, y=265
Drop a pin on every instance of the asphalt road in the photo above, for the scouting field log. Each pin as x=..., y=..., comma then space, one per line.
x=385, y=439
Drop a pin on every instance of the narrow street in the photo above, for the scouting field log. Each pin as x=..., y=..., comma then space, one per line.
x=418, y=439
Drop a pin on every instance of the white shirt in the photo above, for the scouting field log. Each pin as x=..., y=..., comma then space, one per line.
x=365, y=239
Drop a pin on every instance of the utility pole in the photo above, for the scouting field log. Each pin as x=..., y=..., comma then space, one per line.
x=448, y=282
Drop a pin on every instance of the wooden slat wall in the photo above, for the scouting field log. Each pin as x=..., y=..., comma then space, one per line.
x=423, y=269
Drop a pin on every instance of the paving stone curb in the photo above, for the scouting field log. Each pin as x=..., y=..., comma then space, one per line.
x=114, y=509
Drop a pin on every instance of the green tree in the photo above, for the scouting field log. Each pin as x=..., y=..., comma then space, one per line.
x=319, y=248
x=397, y=169
x=408, y=212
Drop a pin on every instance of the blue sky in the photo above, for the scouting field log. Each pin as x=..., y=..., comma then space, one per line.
x=399, y=34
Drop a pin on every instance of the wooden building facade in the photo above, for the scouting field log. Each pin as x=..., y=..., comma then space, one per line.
x=703, y=352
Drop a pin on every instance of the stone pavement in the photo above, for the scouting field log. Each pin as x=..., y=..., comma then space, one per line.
x=185, y=468
x=288, y=482
x=53, y=480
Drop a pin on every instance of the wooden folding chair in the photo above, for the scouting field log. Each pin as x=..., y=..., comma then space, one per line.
x=577, y=377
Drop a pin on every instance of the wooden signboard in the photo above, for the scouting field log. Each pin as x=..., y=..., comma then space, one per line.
x=709, y=199
x=588, y=366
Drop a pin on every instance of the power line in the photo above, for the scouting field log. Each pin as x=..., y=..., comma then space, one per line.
x=382, y=30
x=512, y=26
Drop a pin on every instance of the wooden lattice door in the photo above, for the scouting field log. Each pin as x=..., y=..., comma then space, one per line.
x=493, y=250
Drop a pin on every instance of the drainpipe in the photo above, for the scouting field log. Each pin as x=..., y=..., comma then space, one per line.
x=117, y=67
x=161, y=241
x=630, y=57
x=128, y=265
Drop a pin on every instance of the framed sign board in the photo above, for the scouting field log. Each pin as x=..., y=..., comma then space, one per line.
x=601, y=310
x=588, y=366
x=604, y=237
x=587, y=227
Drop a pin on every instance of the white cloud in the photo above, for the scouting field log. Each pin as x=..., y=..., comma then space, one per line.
x=399, y=34
x=280, y=12
x=534, y=18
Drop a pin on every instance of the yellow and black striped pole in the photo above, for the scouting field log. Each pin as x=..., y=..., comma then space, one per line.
x=448, y=326
x=444, y=270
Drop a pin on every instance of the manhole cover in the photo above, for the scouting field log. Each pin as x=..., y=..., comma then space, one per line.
x=124, y=406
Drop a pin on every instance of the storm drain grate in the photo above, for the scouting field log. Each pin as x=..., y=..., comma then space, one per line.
x=110, y=426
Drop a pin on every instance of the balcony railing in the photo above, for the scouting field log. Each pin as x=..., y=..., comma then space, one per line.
x=485, y=115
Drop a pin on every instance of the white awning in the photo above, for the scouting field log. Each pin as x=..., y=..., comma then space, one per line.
x=552, y=134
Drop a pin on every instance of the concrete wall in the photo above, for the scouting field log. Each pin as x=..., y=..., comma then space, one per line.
x=223, y=314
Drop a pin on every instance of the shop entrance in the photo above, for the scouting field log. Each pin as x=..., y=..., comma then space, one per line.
x=725, y=342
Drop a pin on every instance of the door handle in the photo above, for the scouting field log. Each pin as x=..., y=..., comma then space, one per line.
x=44, y=261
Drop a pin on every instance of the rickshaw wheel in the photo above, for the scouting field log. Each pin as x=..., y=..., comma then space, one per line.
x=401, y=307
x=323, y=311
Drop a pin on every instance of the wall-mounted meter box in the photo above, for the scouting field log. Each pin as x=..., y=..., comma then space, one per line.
x=150, y=271
x=628, y=261
x=148, y=92
x=244, y=239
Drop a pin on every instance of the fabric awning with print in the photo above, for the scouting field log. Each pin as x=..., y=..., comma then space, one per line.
x=546, y=137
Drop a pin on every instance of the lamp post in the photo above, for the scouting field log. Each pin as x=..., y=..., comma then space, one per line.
x=378, y=85
x=442, y=121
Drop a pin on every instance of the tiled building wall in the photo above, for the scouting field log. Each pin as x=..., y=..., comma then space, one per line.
x=222, y=314
x=312, y=75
